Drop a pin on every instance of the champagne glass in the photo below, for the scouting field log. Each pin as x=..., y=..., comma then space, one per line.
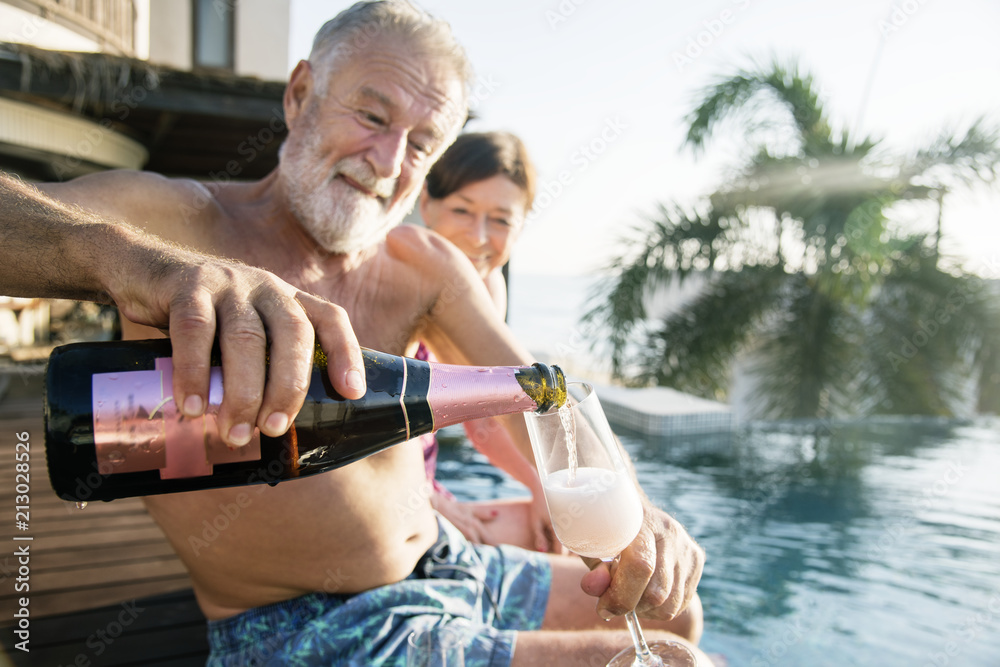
x=443, y=648
x=594, y=505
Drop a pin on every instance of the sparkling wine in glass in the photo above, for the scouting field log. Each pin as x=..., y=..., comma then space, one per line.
x=594, y=505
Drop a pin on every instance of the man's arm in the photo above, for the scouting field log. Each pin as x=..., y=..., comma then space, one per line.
x=48, y=249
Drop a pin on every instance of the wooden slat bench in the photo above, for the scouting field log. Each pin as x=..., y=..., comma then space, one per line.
x=91, y=570
x=164, y=631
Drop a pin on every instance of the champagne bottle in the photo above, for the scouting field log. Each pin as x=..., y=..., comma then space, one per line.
x=112, y=429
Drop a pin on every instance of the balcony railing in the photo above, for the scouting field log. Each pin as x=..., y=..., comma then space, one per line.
x=111, y=23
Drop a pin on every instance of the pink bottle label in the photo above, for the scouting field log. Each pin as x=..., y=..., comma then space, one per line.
x=137, y=426
x=128, y=425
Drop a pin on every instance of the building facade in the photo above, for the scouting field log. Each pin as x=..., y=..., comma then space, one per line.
x=75, y=77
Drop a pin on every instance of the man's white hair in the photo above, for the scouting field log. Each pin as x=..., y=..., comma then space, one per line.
x=353, y=29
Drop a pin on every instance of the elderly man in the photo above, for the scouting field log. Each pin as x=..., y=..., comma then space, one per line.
x=328, y=570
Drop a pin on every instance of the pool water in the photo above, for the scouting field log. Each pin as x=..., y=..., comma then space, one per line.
x=851, y=543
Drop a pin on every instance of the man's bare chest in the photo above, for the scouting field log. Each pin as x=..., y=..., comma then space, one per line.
x=386, y=309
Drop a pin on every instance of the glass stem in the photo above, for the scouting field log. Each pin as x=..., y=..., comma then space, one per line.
x=643, y=658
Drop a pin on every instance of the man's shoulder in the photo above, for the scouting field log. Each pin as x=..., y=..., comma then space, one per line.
x=145, y=199
x=126, y=181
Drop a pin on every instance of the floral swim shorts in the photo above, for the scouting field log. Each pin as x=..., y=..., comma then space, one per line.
x=483, y=595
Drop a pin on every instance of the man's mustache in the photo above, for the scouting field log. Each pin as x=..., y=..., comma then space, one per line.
x=361, y=173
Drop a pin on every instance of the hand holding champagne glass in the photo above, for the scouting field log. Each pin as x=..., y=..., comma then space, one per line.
x=595, y=507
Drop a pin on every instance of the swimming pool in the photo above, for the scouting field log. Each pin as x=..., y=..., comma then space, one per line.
x=863, y=543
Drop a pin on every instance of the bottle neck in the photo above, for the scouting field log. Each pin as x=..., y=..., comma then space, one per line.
x=458, y=394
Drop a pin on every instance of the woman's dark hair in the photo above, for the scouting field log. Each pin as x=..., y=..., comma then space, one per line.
x=477, y=156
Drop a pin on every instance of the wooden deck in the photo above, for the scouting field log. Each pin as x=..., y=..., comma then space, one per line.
x=84, y=564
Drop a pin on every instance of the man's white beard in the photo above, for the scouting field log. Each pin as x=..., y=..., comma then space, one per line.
x=339, y=217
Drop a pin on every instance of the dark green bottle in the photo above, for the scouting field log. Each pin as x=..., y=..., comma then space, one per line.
x=112, y=430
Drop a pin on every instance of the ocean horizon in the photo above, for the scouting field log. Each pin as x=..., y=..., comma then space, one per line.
x=544, y=313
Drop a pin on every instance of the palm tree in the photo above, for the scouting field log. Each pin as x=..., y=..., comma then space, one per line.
x=836, y=310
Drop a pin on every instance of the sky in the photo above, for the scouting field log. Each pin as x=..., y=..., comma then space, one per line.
x=599, y=90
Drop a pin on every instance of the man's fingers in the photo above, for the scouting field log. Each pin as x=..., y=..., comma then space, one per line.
x=597, y=580
x=244, y=307
x=680, y=562
x=292, y=344
x=192, y=330
x=634, y=570
x=664, y=597
x=345, y=364
x=671, y=602
x=243, y=343
x=686, y=585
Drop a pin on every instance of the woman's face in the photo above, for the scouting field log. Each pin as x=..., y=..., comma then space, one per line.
x=483, y=219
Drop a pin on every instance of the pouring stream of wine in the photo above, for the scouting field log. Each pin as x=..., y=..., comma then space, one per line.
x=569, y=426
